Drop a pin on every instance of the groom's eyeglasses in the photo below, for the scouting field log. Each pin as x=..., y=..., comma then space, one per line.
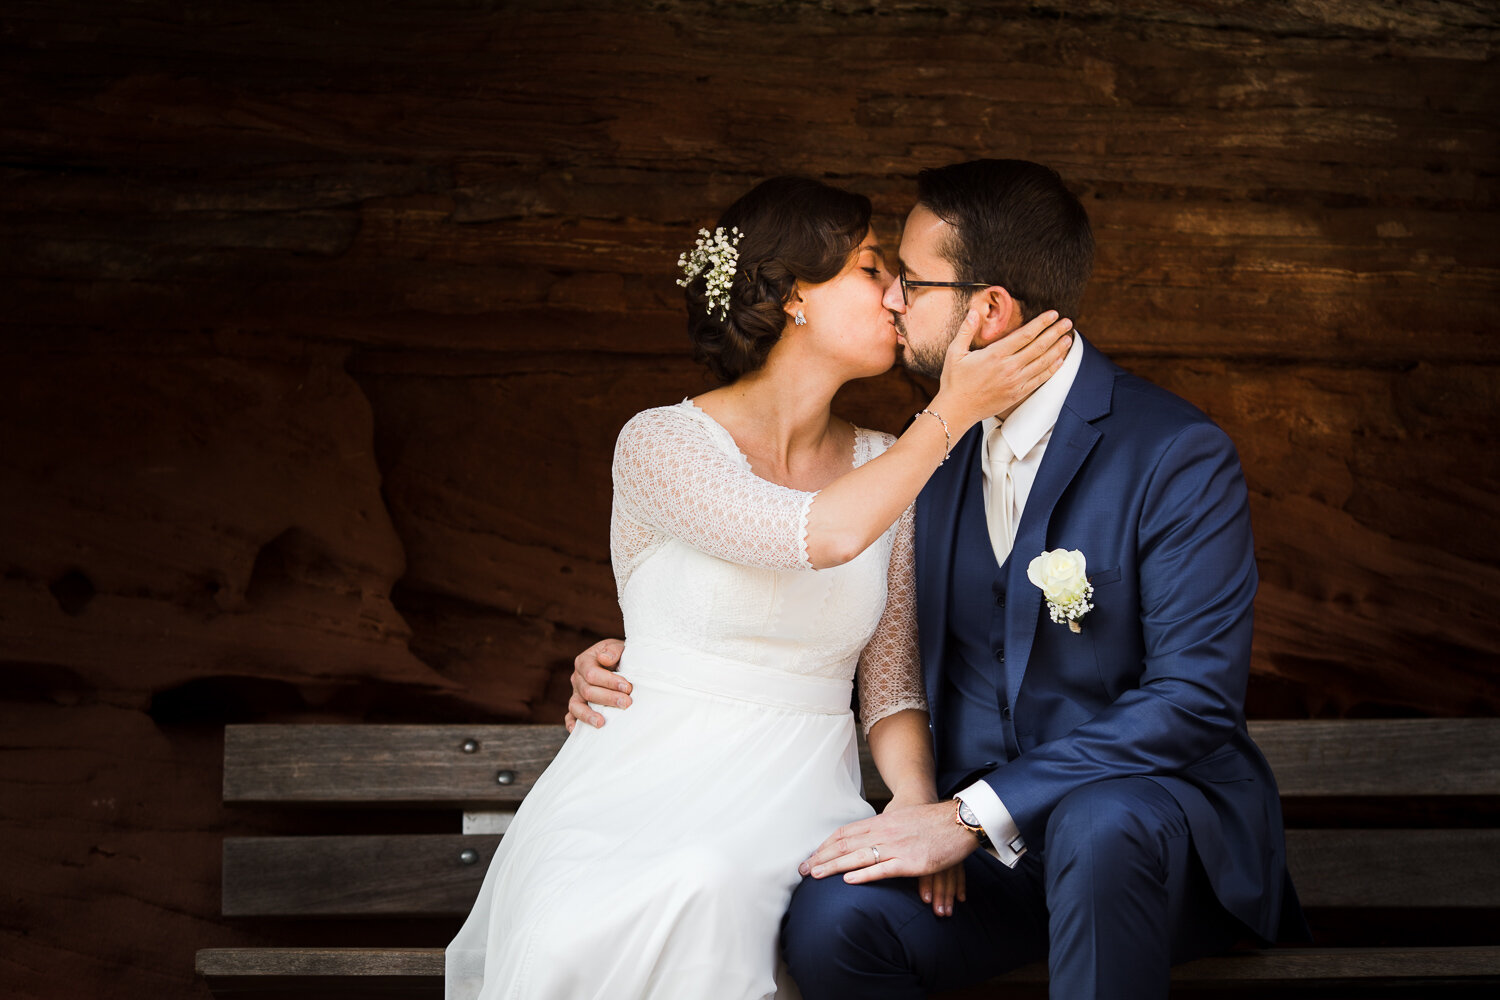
x=908, y=284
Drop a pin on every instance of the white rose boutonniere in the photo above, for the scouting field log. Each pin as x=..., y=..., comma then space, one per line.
x=1062, y=576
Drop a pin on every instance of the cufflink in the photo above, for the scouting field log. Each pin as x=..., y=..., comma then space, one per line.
x=1010, y=854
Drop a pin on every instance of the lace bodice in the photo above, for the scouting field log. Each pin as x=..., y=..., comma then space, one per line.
x=709, y=556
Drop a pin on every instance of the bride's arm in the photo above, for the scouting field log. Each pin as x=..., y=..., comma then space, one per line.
x=901, y=745
x=893, y=707
x=892, y=701
x=671, y=478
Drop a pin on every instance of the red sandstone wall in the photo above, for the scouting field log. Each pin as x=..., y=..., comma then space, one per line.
x=320, y=320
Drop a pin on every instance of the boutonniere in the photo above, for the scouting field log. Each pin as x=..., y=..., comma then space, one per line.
x=1062, y=576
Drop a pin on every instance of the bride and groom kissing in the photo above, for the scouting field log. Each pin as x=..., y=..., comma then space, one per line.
x=1064, y=737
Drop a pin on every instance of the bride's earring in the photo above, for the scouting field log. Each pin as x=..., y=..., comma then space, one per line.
x=799, y=319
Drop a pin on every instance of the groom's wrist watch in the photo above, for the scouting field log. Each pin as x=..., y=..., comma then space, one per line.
x=964, y=817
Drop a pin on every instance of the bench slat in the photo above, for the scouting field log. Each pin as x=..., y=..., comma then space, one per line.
x=1382, y=757
x=425, y=765
x=321, y=962
x=1386, y=758
x=236, y=970
x=384, y=765
x=422, y=875
x=407, y=973
x=1395, y=868
x=366, y=876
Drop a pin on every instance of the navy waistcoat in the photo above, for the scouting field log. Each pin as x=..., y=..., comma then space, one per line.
x=979, y=732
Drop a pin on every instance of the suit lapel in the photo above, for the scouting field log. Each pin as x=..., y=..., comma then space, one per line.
x=936, y=534
x=1073, y=439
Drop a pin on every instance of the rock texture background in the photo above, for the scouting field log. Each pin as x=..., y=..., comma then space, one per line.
x=320, y=319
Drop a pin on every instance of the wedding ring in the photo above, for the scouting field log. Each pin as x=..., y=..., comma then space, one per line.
x=875, y=851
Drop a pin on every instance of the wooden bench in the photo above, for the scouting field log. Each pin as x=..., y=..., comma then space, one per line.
x=1357, y=795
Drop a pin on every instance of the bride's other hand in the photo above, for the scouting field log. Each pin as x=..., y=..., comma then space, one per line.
x=937, y=889
x=594, y=680
x=904, y=843
x=941, y=889
x=980, y=381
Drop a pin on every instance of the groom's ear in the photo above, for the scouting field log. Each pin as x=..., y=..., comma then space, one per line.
x=998, y=315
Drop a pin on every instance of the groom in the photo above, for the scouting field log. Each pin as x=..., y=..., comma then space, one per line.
x=1109, y=808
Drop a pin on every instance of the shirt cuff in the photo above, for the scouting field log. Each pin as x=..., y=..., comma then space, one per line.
x=1006, y=843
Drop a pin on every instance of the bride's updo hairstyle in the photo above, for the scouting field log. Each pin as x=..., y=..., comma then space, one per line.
x=791, y=229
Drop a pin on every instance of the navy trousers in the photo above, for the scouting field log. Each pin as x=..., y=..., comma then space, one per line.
x=1114, y=899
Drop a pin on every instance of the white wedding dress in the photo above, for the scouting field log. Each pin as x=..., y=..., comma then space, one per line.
x=655, y=856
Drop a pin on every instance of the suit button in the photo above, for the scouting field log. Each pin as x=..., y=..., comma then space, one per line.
x=999, y=600
x=1000, y=653
x=1005, y=712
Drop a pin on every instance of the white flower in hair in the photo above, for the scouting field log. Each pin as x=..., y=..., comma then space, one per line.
x=715, y=253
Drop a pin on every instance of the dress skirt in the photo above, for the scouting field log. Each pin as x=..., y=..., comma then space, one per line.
x=655, y=856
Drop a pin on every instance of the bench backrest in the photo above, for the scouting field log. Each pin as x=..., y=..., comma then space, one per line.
x=485, y=771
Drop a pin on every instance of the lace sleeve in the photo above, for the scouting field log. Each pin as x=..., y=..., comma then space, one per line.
x=890, y=668
x=673, y=475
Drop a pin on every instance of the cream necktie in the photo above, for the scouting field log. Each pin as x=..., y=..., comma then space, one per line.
x=1002, y=501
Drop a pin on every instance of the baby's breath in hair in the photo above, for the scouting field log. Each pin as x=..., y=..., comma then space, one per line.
x=715, y=253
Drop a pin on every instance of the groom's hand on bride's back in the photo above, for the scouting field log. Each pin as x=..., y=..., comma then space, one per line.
x=594, y=680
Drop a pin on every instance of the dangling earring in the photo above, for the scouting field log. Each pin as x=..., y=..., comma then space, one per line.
x=799, y=319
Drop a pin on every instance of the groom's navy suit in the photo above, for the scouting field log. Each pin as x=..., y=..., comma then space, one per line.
x=1151, y=690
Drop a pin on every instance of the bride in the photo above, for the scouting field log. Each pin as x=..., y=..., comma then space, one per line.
x=762, y=551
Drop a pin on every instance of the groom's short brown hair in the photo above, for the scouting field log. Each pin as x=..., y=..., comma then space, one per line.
x=1016, y=225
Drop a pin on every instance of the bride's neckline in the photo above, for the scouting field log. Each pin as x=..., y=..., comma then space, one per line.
x=734, y=445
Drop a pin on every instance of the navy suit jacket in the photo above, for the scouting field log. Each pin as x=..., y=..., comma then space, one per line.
x=1150, y=491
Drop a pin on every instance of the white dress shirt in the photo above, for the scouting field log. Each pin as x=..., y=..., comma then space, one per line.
x=1027, y=431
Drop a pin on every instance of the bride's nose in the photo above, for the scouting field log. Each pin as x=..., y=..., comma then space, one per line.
x=892, y=299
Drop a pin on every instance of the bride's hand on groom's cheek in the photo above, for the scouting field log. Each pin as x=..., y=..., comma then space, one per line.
x=594, y=680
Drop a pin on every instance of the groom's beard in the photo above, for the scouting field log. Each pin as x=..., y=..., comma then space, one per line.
x=927, y=359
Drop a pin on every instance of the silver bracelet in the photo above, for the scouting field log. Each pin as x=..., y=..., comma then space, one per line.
x=947, y=438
